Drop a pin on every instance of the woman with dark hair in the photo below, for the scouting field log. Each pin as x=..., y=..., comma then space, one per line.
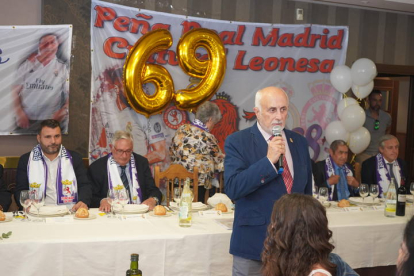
x=405, y=262
x=297, y=242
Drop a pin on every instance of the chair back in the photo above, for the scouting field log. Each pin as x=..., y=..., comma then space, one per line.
x=177, y=171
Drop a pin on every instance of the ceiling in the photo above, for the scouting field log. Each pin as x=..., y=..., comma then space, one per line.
x=399, y=6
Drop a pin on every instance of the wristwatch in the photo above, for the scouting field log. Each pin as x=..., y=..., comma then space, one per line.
x=156, y=200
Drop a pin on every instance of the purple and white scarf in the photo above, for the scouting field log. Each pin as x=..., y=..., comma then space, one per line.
x=66, y=184
x=200, y=124
x=383, y=174
x=115, y=182
x=330, y=171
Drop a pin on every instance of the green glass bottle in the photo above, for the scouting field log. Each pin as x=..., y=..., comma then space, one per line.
x=134, y=271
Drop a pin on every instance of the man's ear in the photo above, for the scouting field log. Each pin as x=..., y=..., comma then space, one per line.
x=331, y=152
x=38, y=138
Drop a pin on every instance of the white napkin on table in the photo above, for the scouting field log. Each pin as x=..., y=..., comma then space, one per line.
x=50, y=210
x=131, y=208
x=220, y=198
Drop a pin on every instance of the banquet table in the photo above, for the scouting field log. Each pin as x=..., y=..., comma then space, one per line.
x=102, y=246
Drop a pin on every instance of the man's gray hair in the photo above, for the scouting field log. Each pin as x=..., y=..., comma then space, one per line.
x=258, y=98
x=120, y=134
x=335, y=144
x=386, y=137
x=208, y=110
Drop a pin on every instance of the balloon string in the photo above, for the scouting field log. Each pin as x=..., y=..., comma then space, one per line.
x=353, y=159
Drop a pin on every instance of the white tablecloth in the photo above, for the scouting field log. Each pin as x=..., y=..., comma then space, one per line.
x=366, y=239
x=103, y=246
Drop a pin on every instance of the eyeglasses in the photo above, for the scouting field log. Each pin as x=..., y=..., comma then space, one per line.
x=120, y=152
x=376, y=125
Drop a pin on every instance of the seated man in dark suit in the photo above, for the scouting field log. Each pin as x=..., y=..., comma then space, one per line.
x=379, y=169
x=336, y=174
x=53, y=170
x=125, y=167
x=5, y=196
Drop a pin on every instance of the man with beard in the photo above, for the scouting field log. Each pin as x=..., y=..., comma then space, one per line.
x=51, y=169
x=378, y=123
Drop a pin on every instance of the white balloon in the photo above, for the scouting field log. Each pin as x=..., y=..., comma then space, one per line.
x=359, y=140
x=353, y=117
x=336, y=131
x=341, y=78
x=363, y=71
x=344, y=103
x=362, y=91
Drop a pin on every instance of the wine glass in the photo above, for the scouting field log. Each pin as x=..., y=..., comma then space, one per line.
x=315, y=191
x=412, y=188
x=38, y=200
x=111, y=199
x=123, y=198
x=323, y=194
x=363, y=191
x=374, y=191
x=25, y=202
x=177, y=194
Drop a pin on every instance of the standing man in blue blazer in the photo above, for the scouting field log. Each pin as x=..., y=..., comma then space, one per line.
x=254, y=180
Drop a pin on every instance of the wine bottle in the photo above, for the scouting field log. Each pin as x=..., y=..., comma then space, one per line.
x=134, y=271
x=401, y=199
x=185, y=216
x=390, y=200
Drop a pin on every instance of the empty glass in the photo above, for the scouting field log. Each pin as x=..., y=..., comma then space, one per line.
x=374, y=190
x=323, y=194
x=363, y=191
x=25, y=202
x=123, y=198
x=111, y=199
x=38, y=200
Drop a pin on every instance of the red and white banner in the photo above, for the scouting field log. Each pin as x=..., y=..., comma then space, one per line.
x=297, y=58
x=34, y=77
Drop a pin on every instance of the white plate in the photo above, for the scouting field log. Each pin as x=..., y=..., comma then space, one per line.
x=358, y=201
x=8, y=219
x=88, y=218
x=158, y=216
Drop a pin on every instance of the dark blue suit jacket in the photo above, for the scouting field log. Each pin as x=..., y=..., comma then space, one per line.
x=252, y=182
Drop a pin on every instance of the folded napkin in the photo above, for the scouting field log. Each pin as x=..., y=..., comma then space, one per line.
x=220, y=198
x=195, y=205
x=131, y=208
x=50, y=210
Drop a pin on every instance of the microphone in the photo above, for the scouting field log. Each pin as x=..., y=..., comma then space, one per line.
x=277, y=131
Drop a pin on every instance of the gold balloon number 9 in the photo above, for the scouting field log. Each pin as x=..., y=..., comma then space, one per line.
x=137, y=72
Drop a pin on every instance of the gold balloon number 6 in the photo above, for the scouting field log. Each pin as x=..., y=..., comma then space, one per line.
x=137, y=72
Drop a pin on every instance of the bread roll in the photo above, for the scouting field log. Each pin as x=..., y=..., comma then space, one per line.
x=344, y=203
x=159, y=210
x=82, y=213
x=2, y=216
x=221, y=207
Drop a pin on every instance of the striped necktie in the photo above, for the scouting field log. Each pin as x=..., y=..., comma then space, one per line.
x=124, y=178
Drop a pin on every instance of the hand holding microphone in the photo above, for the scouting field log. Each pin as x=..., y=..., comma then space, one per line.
x=276, y=147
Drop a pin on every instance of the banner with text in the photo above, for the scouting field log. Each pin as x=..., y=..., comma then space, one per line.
x=34, y=77
x=297, y=58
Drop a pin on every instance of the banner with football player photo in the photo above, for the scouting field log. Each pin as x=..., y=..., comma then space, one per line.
x=34, y=77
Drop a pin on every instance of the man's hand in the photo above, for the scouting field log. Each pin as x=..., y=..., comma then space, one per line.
x=275, y=148
x=150, y=202
x=78, y=205
x=352, y=181
x=105, y=206
x=333, y=180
